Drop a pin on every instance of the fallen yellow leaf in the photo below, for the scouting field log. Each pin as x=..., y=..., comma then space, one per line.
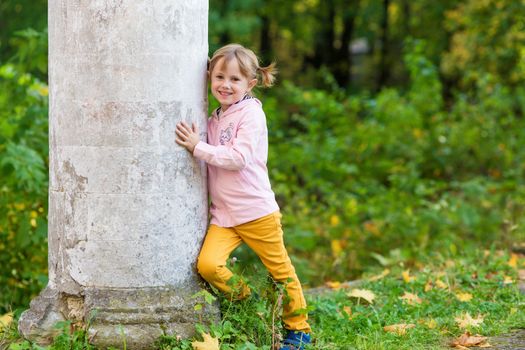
x=333, y=285
x=464, y=296
x=508, y=280
x=365, y=294
x=431, y=323
x=411, y=298
x=348, y=311
x=5, y=320
x=428, y=285
x=406, y=276
x=209, y=343
x=399, y=329
x=381, y=275
x=441, y=285
x=513, y=261
x=468, y=340
x=465, y=320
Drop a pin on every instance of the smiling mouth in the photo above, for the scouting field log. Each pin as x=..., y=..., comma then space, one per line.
x=223, y=93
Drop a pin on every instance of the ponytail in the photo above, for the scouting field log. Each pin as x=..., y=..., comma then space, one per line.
x=267, y=74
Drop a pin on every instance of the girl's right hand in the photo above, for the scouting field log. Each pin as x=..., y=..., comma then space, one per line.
x=187, y=137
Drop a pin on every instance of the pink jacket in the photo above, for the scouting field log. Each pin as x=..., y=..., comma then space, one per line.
x=236, y=154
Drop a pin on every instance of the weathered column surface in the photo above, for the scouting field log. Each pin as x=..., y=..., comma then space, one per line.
x=127, y=205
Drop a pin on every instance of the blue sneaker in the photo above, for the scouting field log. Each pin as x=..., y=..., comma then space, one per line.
x=295, y=340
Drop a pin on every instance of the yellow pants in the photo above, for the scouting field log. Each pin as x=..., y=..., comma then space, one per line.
x=265, y=237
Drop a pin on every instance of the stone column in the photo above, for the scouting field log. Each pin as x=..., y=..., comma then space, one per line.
x=127, y=205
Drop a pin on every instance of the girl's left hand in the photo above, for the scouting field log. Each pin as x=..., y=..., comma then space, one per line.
x=187, y=137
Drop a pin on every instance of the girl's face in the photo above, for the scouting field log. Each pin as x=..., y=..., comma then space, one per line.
x=228, y=85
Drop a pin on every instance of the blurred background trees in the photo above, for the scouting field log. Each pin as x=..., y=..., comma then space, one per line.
x=397, y=130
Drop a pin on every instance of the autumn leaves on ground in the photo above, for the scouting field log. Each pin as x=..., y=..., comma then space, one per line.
x=444, y=303
x=437, y=304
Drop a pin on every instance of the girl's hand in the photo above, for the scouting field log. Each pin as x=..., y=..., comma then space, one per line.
x=187, y=137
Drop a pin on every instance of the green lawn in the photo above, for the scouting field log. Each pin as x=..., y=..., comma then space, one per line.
x=439, y=299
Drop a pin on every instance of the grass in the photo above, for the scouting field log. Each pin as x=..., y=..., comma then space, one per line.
x=483, y=284
x=481, y=278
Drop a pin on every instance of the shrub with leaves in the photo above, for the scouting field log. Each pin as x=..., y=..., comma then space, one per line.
x=23, y=184
x=397, y=174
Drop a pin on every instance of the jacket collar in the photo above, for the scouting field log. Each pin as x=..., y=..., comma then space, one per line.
x=245, y=101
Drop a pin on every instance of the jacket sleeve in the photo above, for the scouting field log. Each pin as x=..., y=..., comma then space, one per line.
x=240, y=152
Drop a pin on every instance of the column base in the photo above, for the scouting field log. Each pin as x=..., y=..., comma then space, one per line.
x=38, y=323
x=132, y=318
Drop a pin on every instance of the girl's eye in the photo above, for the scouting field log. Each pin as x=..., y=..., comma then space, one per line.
x=218, y=76
x=236, y=79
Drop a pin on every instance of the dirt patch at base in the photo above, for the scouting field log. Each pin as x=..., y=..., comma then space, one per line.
x=512, y=341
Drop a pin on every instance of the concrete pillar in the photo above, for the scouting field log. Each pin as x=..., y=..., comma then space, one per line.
x=127, y=205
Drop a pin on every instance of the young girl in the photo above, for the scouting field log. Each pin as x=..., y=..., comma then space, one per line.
x=243, y=206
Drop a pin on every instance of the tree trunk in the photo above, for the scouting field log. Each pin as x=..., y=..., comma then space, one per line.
x=383, y=64
x=266, y=51
x=343, y=56
x=407, y=18
x=127, y=206
x=324, y=37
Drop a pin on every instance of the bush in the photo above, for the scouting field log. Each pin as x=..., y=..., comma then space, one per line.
x=395, y=176
x=23, y=185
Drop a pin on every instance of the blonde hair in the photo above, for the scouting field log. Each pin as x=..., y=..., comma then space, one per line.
x=248, y=63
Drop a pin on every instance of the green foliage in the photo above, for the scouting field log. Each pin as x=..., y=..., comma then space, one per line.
x=71, y=338
x=359, y=175
x=233, y=19
x=31, y=51
x=425, y=87
x=252, y=323
x=23, y=184
x=68, y=338
x=488, y=37
x=18, y=15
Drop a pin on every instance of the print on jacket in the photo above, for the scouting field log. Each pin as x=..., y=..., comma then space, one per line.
x=226, y=135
